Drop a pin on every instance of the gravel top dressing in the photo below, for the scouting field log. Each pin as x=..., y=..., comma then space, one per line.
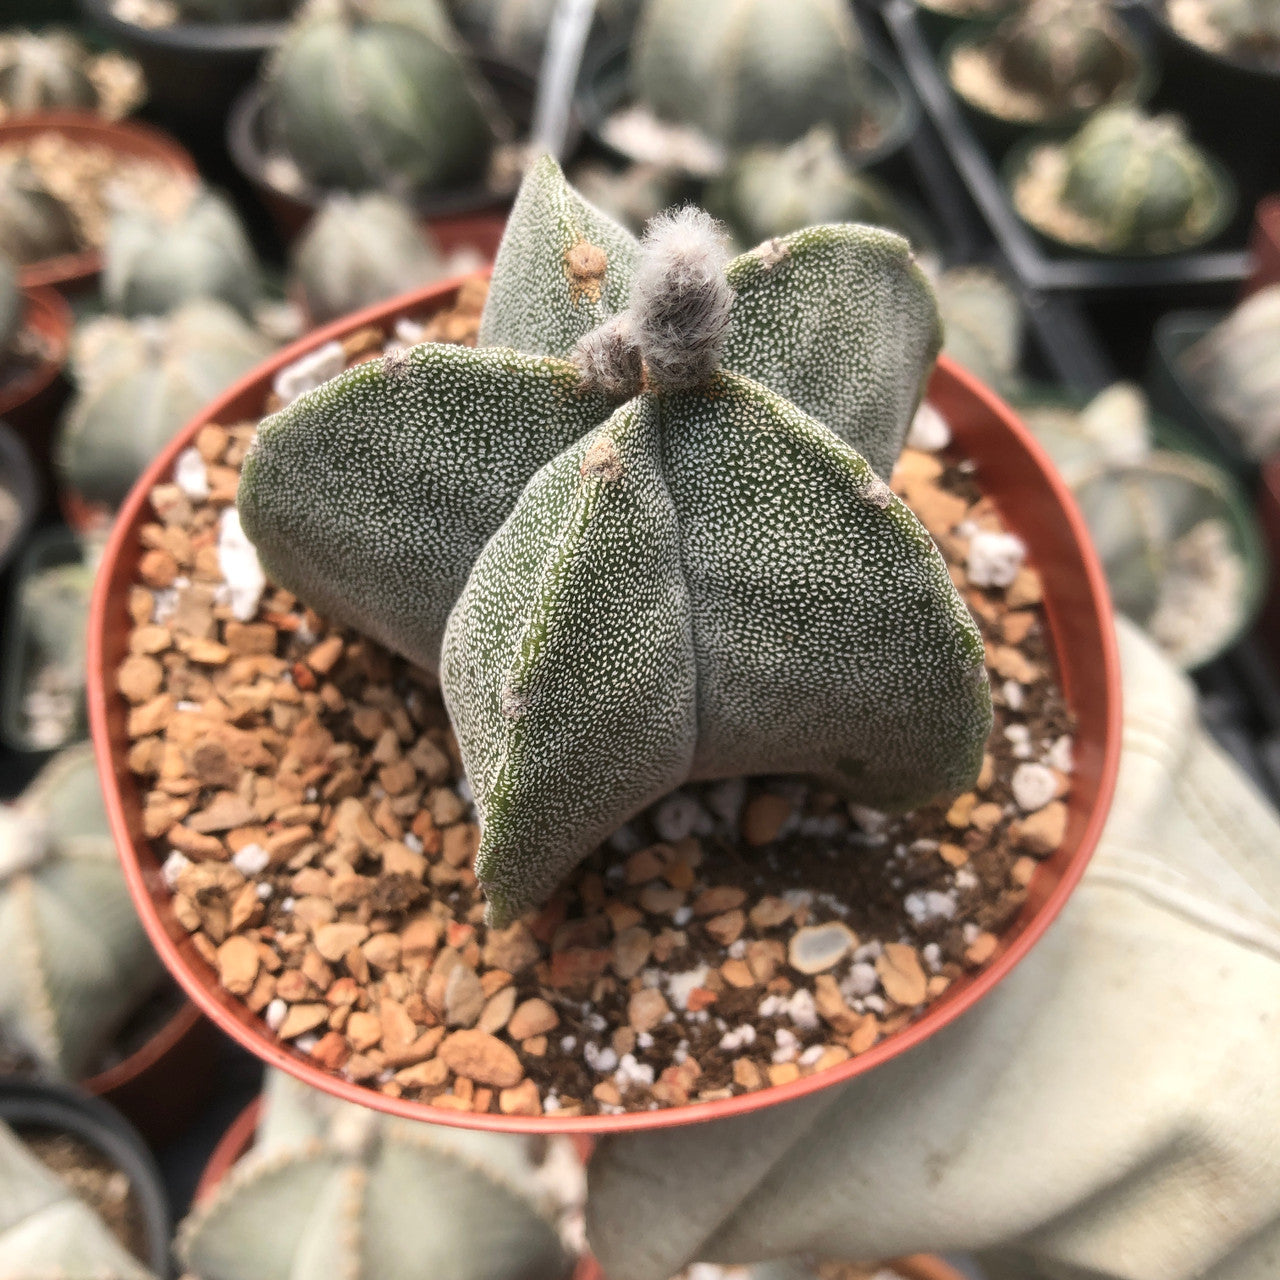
x=304, y=791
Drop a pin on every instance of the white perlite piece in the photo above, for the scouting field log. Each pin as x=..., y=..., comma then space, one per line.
x=252, y=860
x=309, y=371
x=929, y=430
x=174, y=865
x=245, y=581
x=930, y=905
x=191, y=475
x=679, y=985
x=1034, y=785
x=1059, y=755
x=678, y=816
x=995, y=558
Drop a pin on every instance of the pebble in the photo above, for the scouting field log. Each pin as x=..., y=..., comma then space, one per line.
x=770, y=912
x=817, y=948
x=630, y=951
x=1042, y=832
x=497, y=1011
x=481, y=1057
x=534, y=1017
x=646, y=1009
x=764, y=818
x=901, y=974
x=1033, y=785
x=463, y=997
x=678, y=816
x=238, y=962
x=928, y=430
x=333, y=941
x=994, y=558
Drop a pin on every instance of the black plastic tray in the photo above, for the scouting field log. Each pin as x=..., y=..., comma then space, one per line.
x=1037, y=269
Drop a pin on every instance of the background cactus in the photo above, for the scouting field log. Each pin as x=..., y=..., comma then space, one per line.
x=358, y=250
x=46, y=1230
x=45, y=72
x=1248, y=29
x=1058, y=57
x=34, y=223
x=12, y=309
x=770, y=191
x=156, y=259
x=334, y=1189
x=982, y=325
x=1164, y=528
x=379, y=93
x=631, y=195
x=1235, y=368
x=644, y=536
x=516, y=30
x=1113, y=429
x=77, y=960
x=1128, y=183
x=138, y=382
x=746, y=71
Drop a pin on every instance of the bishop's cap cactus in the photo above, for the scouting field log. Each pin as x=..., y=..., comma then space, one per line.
x=46, y=1230
x=745, y=71
x=334, y=1189
x=379, y=94
x=78, y=962
x=44, y=72
x=34, y=223
x=657, y=546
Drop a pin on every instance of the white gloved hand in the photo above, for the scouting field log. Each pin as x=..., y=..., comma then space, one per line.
x=1111, y=1110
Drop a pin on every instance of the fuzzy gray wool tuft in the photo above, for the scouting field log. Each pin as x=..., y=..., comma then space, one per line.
x=680, y=299
x=609, y=358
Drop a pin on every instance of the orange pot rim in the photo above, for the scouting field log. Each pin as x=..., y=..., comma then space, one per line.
x=185, y=1019
x=140, y=141
x=46, y=312
x=1076, y=602
x=238, y=1138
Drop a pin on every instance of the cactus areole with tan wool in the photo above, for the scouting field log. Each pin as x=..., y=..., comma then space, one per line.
x=643, y=532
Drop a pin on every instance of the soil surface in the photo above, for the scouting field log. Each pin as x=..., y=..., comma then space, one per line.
x=304, y=791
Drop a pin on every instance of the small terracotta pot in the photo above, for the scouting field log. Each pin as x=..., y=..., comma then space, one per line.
x=1036, y=505
x=1264, y=245
x=239, y=1138
x=30, y=404
x=163, y=1084
x=130, y=141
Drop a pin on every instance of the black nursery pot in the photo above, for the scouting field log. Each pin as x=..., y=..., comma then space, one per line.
x=27, y=1105
x=193, y=70
x=1233, y=106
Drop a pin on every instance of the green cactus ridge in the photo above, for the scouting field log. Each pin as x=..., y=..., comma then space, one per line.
x=380, y=94
x=46, y=1231
x=78, y=960
x=355, y=1195
x=746, y=71
x=634, y=624
x=697, y=583
x=429, y=450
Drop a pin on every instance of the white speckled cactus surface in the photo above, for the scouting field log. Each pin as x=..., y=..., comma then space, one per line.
x=643, y=533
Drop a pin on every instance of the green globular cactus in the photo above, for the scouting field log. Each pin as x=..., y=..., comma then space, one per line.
x=1246, y=29
x=1235, y=369
x=229, y=11
x=1166, y=532
x=379, y=94
x=770, y=191
x=631, y=195
x=34, y=223
x=138, y=382
x=516, y=30
x=707, y=576
x=77, y=961
x=155, y=260
x=331, y=1189
x=12, y=309
x=1128, y=183
x=47, y=1232
x=746, y=71
x=1050, y=60
x=358, y=250
x=44, y=72
x=982, y=324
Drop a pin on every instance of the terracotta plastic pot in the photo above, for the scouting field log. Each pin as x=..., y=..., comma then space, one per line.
x=30, y=404
x=239, y=1138
x=37, y=1104
x=163, y=1085
x=129, y=141
x=1036, y=505
x=1264, y=245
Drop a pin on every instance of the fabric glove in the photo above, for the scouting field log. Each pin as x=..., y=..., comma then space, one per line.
x=1111, y=1110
